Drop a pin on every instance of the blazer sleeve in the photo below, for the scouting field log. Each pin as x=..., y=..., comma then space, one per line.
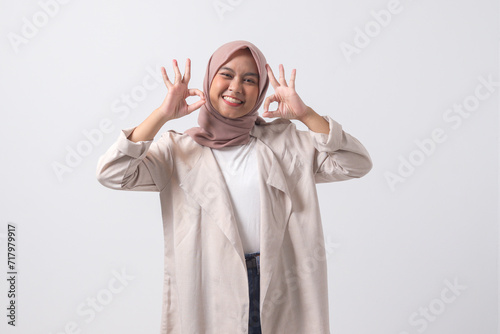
x=139, y=166
x=337, y=156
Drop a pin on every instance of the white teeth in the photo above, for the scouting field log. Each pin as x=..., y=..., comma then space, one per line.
x=227, y=98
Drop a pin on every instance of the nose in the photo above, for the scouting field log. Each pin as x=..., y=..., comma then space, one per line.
x=235, y=86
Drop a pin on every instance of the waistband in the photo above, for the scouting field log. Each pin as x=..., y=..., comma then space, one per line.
x=253, y=261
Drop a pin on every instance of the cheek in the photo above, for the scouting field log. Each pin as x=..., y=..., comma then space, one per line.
x=213, y=91
x=212, y=94
x=255, y=95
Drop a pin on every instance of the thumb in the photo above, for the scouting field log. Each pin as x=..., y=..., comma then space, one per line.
x=196, y=105
x=270, y=114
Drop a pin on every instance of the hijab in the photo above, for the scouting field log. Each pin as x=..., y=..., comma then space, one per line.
x=215, y=130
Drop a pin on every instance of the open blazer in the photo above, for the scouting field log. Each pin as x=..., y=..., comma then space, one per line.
x=205, y=286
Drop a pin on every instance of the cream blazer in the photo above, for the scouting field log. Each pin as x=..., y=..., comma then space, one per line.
x=205, y=286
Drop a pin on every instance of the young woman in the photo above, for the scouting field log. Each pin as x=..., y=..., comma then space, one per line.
x=244, y=245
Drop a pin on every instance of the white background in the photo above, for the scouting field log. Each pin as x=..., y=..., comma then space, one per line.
x=395, y=248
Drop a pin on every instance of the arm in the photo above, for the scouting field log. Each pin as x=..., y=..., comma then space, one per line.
x=315, y=122
x=147, y=130
x=337, y=155
x=134, y=162
x=141, y=165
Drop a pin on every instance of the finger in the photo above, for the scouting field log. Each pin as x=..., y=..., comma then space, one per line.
x=270, y=99
x=165, y=77
x=270, y=74
x=292, y=78
x=267, y=112
x=187, y=72
x=194, y=91
x=267, y=103
x=178, y=76
x=282, y=76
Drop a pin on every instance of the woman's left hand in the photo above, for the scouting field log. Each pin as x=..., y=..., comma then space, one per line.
x=290, y=105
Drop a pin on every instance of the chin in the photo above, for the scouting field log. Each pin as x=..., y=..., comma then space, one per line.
x=231, y=114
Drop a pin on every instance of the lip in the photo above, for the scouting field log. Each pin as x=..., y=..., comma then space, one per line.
x=230, y=103
x=234, y=97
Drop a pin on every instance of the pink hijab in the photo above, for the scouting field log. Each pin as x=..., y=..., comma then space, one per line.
x=215, y=130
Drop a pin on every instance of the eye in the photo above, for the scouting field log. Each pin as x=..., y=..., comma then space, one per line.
x=225, y=74
x=251, y=80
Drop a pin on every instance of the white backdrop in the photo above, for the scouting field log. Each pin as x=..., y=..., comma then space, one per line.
x=412, y=246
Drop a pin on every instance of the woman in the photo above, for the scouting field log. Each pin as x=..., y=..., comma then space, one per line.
x=244, y=245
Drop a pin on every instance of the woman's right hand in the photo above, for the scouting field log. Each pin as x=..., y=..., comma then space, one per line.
x=175, y=105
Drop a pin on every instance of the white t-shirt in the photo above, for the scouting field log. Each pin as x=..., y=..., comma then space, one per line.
x=239, y=167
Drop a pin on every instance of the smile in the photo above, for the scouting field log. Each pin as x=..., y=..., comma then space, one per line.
x=231, y=101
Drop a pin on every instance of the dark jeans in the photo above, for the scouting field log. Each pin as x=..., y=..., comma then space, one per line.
x=253, y=271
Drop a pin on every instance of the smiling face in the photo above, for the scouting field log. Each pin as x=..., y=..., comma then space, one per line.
x=235, y=86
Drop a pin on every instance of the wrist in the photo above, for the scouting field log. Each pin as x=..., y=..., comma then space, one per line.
x=309, y=114
x=160, y=116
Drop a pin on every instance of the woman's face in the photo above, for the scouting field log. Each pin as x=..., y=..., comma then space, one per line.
x=237, y=78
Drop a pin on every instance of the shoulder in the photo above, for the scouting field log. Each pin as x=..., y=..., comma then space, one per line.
x=283, y=138
x=182, y=148
x=279, y=127
x=173, y=137
x=281, y=133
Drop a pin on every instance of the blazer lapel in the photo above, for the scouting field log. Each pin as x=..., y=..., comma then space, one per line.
x=276, y=206
x=206, y=185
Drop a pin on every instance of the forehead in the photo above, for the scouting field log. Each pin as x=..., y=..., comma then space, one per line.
x=242, y=57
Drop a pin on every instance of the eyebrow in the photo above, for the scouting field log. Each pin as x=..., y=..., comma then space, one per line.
x=249, y=73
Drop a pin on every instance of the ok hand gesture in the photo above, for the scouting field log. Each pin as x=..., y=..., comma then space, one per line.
x=175, y=105
x=290, y=105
